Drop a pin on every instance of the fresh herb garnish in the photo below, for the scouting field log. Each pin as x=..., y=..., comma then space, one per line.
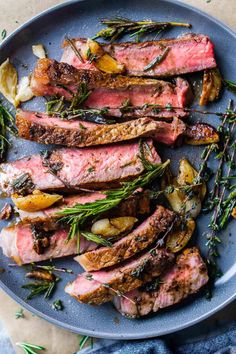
x=96, y=238
x=29, y=348
x=231, y=85
x=57, y=305
x=119, y=26
x=4, y=33
x=77, y=215
x=51, y=268
x=23, y=184
x=84, y=340
x=75, y=50
x=19, y=314
x=6, y=125
x=157, y=60
x=152, y=286
x=41, y=287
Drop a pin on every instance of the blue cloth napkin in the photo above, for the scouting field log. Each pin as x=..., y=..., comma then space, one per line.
x=224, y=343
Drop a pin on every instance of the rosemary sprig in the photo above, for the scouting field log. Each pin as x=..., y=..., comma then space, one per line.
x=29, y=348
x=51, y=268
x=231, y=85
x=6, y=125
x=96, y=238
x=41, y=287
x=77, y=215
x=75, y=50
x=84, y=340
x=157, y=60
x=117, y=27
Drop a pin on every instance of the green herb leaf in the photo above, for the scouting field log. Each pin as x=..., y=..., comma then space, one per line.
x=96, y=238
x=57, y=305
x=19, y=314
x=29, y=348
x=159, y=59
x=4, y=34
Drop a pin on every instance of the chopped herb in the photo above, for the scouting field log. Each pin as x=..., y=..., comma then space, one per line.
x=139, y=271
x=57, y=305
x=90, y=169
x=169, y=107
x=89, y=276
x=91, y=57
x=157, y=60
x=4, y=34
x=23, y=185
x=30, y=348
x=118, y=27
x=19, y=314
x=152, y=286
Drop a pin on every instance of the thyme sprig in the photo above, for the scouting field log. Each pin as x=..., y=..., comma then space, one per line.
x=30, y=348
x=51, y=268
x=59, y=107
x=77, y=215
x=119, y=26
x=220, y=201
x=6, y=125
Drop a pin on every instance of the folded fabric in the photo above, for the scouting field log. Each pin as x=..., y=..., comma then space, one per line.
x=224, y=343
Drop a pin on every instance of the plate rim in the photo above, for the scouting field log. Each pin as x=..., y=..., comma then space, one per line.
x=73, y=328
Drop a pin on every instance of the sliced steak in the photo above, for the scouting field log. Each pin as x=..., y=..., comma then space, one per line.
x=17, y=242
x=72, y=169
x=139, y=239
x=75, y=133
x=99, y=287
x=186, y=277
x=187, y=54
x=53, y=78
x=137, y=204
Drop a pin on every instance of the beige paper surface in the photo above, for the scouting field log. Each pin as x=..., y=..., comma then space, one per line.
x=33, y=329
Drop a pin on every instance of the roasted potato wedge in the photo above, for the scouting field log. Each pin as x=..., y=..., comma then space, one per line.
x=114, y=226
x=211, y=86
x=102, y=60
x=187, y=174
x=36, y=201
x=201, y=134
x=234, y=213
x=179, y=238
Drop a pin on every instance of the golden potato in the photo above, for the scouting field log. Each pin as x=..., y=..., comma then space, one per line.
x=36, y=201
x=114, y=226
x=234, y=213
x=187, y=174
x=179, y=238
x=103, y=61
x=211, y=86
x=201, y=134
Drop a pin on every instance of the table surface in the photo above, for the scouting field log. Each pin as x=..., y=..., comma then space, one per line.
x=12, y=14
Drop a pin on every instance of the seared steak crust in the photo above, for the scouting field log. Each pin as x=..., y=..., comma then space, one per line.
x=189, y=53
x=53, y=78
x=186, y=277
x=49, y=130
x=99, y=287
x=136, y=241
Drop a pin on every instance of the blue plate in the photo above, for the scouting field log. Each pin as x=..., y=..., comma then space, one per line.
x=80, y=18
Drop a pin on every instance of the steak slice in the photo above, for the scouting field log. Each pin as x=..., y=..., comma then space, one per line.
x=75, y=133
x=100, y=286
x=187, y=54
x=137, y=204
x=137, y=240
x=17, y=242
x=186, y=277
x=53, y=78
x=73, y=169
